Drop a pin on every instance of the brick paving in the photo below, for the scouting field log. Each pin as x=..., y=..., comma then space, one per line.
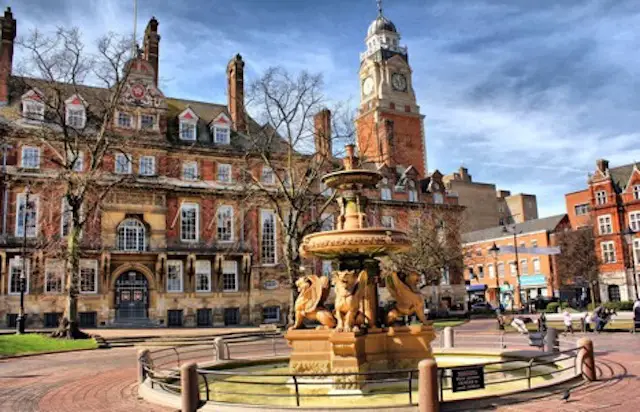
x=105, y=380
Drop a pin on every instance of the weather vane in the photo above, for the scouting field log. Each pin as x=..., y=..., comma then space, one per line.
x=380, y=7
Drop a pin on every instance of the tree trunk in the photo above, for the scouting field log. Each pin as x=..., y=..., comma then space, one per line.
x=68, y=327
x=292, y=262
x=593, y=295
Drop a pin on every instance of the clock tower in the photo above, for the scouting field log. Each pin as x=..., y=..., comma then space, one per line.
x=389, y=123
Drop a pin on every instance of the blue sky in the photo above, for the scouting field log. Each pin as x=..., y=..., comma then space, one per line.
x=526, y=94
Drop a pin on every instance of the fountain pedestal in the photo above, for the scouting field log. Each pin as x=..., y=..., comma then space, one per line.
x=378, y=349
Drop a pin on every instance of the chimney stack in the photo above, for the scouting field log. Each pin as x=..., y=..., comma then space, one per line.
x=8, y=24
x=322, y=133
x=151, y=46
x=603, y=165
x=235, y=92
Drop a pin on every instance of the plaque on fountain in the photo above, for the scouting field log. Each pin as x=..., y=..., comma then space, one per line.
x=467, y=379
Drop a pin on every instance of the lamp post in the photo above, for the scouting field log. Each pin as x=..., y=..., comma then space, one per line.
x=494, y=251
x=20, y=323
x=515, y=233
x=628, y=234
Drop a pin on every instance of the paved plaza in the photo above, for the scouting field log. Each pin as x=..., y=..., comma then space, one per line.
x=105, y=380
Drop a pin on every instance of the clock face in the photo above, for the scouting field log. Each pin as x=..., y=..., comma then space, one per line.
x=399, y=82
x=367, y=86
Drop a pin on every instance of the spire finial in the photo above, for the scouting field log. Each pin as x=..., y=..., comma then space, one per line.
x=380, y=7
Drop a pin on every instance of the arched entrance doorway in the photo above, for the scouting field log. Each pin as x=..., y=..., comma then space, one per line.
x=132, y=296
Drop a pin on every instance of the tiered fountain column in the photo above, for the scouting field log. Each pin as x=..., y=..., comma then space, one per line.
x=356, y=340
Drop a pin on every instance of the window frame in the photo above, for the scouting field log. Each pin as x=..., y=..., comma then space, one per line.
x=196, y=208
x=78, y=162
x=49, y=266
x=88, y=264
x=234, y=264
x=222, y=166
x=121, y=116
x=177, y=264
x=16, y=262
x=636, y=192
x=524, y=266
x=38, y=114
x=153, y=165
x=220, y=214
x=607, y=225
x=65, y=213
x=36, y=151
x=188, y=125
x=388, y=219
x=267, y=171
x=491, y=270
x=634, y=220
x=385, y=194
x=20, y=199
x=264, y=214
x=601, y=197
x=117, y=162
x=185, y=166
x=138, y=228
x=199, y=272
x=536, y=262
x=412, y=195
x=278, y=312
x=501, y=273
x=581, y=209
x=227, y=134
x=153, y=117
x=606, y=248
x=82, y=116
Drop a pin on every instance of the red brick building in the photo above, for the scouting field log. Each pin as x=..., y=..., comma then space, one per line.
x=611, y=204
x=179, y=245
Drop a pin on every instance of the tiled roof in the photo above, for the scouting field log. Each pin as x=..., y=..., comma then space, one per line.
x=620, y=175
x=547, y=223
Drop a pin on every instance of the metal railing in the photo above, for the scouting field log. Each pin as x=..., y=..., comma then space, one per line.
x=162, y=369
x=403, y=377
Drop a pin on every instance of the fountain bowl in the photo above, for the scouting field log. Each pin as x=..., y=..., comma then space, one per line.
x=356, y=243
x=345, y=178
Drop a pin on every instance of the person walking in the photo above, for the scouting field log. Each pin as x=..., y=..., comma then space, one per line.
x=568, y=326
x=636, y=316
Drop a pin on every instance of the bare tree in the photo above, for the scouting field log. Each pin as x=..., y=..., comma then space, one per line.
x=578, y=262
x=55, y=68
x=284, y=163
x=436, y=244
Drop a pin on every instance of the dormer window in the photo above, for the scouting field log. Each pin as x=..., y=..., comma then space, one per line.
x=33, y=106
x=221, y=135
x=221, y=129
x=76, y=114
x=188, y=125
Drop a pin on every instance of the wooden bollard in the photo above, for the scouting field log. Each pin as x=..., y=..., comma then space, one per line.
x=190, y=396
x=588, y=363
x=428, y=395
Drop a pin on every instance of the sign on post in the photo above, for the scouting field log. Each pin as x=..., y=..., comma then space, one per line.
x=467, y=379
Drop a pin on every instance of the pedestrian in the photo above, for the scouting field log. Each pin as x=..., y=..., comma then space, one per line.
x=636, y=315
x=519, y=325
x=568, y=326
x=587, y=322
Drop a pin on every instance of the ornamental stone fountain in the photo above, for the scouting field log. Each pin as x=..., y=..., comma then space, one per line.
x=358, y=336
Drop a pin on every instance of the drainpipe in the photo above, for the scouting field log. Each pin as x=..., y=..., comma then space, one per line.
x=5, y=199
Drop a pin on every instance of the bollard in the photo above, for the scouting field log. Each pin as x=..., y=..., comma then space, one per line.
x=551, y=340
x=219, y=349
x=190, y=397
x=587, y=359
x=428, y=398
x=143, y=359
x=448, y=337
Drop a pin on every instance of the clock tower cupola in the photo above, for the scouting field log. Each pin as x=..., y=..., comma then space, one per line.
x=389, y=123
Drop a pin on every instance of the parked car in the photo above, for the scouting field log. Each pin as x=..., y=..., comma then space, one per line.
x=481, y=307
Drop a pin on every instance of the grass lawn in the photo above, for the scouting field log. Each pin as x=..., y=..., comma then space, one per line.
x=440, y=324
x=35, y=343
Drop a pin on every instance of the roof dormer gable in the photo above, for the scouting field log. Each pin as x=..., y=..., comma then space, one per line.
x=33, y=105
x=76, y=100
x=220, y=128
x=34, y=94
x=188, y=122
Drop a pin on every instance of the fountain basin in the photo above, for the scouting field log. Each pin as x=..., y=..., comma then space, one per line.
x=345, y=178
x=355, y=243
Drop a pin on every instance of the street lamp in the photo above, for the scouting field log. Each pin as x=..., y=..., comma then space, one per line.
x=628, y=235
x=494, y=251
x=515, y=233
x=20, y=323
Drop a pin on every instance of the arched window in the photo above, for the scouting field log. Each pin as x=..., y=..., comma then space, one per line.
x=131, y=235
x=614, y=293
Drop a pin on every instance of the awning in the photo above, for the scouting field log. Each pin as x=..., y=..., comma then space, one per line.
x=476, y=288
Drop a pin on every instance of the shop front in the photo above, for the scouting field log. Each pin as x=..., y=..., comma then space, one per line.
x=477, y=293
x=533, y=287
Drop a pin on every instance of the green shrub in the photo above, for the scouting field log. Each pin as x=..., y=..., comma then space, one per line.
x=626, y=305
x=552, y=307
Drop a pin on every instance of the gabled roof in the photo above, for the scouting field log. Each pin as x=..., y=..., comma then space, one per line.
x=620, y=176
x=546, y=223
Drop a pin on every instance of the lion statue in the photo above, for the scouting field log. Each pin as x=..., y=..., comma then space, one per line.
x=350, y=290
x=408, y=301
x=313, y=291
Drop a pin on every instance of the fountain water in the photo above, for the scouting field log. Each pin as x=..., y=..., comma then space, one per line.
x=358, y=339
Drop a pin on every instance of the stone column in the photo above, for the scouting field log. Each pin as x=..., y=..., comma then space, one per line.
x=428, y=394
x=448, y=337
